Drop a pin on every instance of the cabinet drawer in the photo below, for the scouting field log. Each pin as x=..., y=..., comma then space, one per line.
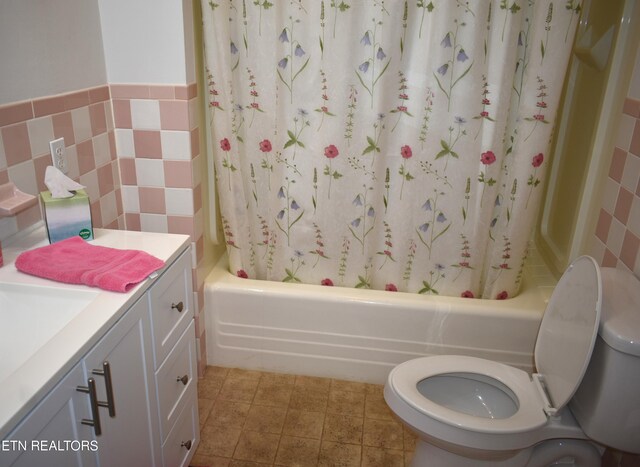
x=183, y=440
x=171, y=307
x=178, y=368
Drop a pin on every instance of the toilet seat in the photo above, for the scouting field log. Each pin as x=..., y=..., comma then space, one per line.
x=530, y=415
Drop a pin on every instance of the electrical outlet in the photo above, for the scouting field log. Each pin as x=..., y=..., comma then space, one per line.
x=58, y=155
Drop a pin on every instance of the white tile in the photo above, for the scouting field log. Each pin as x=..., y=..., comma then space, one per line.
x=40, y=133
x=631, y=173
x=145, y=114
x=130, y=199
x=198, y=224
x=197, y=170
x=81, y=124
x=193, y=114
x=101, y=151
x=610, y=195
x=597, y=249
x=149, y=172
x=72, y=162
x=108, y=208
x=124, y=143
x=90, y=181
x=24, y=177
x=179, y=201
x=636, y=269
x=115, y=173
x=633, y=223
x=8, y=227
x=634, y=87
x=108, y=113
x=176, y=145
x=153, y=223
x=616, y=237
x=625, y=131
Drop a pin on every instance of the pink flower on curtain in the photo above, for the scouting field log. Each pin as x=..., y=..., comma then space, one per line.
x=265, y=145
x=331, y=151
x=406, y=152
x=327, y=282
x=225, y=145
x=390, y=288
x=488, y=158
x=502, y=295
x=242, y=274
x=467, y=294
x=537, y=160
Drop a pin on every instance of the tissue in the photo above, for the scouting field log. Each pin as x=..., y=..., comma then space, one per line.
x=59, y=184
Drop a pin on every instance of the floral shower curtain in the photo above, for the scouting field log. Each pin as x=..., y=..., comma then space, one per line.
x=397, y=145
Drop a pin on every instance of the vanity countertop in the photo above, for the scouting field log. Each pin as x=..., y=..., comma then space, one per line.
x=22, y=388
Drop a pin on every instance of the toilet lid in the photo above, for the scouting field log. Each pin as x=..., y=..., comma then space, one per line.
x=568, y=330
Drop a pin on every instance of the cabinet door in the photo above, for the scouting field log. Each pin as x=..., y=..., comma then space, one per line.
x=52, y=434
x=128, y=413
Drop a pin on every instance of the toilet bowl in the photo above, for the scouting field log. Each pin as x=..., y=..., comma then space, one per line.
x=469, y=411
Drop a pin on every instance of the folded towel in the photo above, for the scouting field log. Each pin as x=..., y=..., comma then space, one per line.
x=75, y=261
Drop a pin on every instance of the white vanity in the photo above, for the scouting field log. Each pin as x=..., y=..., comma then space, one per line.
x=96, y=378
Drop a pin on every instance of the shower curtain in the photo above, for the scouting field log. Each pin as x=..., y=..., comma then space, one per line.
x=396, y=145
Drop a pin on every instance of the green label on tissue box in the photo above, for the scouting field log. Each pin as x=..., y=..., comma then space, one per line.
x=67, y=217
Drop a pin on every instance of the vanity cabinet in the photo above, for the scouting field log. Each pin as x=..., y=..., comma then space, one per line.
x=131, y=400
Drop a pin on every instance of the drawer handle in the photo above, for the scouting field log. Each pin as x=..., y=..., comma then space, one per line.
x=186, y=444
x=106, y=372
x=179, y=307
x=90, y=389
x=184, y=379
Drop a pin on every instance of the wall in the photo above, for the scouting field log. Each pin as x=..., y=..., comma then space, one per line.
x=617, y=237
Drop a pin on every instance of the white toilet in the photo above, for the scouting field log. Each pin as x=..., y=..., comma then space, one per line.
x=473, y=412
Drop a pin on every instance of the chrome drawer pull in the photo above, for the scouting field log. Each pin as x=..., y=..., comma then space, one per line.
x=179, y=307
x=93, y=400
x=184, y=380
x=106, y=372
x=186, y=444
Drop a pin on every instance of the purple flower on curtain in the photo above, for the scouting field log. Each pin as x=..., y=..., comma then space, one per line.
x=424, y=227
x=520, y=43
x=281, y=193
x=443, y=69
x=366, y=40
x=493, y=223
x=427, y=205
x=371, y=212
x=380, y=55
x=284, y=37
x=462, y=56
x=441, y=218
x=446, y=42
x=294, y=205
x=357, y=201
x=299, y=52
x=364, y=67
x=280, y=214
x=459, y=120
x=283, y=63
x=355, y=222
x=234, y=49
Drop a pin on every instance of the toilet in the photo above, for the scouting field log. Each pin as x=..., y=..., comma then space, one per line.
x=470, y=412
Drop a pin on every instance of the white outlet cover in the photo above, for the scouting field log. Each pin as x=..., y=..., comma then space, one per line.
x=58, y=155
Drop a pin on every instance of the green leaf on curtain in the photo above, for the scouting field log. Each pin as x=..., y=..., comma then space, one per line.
x=462, y=75
x=300, y=70
x=363, y=85
x=382, y=72
x=321, y=44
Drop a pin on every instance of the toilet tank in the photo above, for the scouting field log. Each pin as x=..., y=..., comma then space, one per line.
x=607, y=402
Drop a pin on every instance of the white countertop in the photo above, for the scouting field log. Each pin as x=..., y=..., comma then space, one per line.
x=21, y=390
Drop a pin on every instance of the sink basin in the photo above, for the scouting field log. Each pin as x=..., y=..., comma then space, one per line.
x=30, y=316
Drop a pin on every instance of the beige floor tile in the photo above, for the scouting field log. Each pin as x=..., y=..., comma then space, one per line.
x=409, y=439
x=209, y=388
x=240, y=463
x=313, y=401
x=376, y=407
x=273, y=394
x=382, y=434
x=209, y=461
x=204, y=407
x=218, y=441
x=377, y=457
x=304, y=424
x=228, y=413
x=257, y=447
x=298, y=452
x=342, y=429
x=346, y=402
x=240, y=373
x=313, y=383
x=352, y=386
x=339, y=455
x=408, y=458
x=239, y=389
x=265, y=419
x=216, y=371
x=280, y=379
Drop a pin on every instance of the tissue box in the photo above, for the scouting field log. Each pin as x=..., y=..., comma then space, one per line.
x=67, y=217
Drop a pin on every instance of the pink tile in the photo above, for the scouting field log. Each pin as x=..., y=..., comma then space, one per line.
x=152, y=200
x=121, y=113
x=17, y=147
x=98, y=119
x=128, y=171
x=28, y=217
x=603, y=225
x=99, y=94
x=629, y=251
x=96, y=215
x=112, y=145
x=174, y=115
x=161, y=92
x=609, y=260
x=105, y=179
x=177, y=174
x=63, y=128
x=195, y=142
x=119, y=202
x=132, y=221
x=4, y=176
x=180, y=225
x=40, y=165
x=86, y=159
x=631, y=107
x=147, y=144
x=186, y=92
x=199, y=247
x=617, y=164
x=48, y=106
x=634, y=146
x=15, y=113
x=197, y=197
x=623, y=205
x=130, y=91
x=75, y=100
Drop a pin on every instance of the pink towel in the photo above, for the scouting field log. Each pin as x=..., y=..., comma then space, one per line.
x=75, y=261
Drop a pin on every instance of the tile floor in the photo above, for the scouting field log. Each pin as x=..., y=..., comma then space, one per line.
x=252, y=418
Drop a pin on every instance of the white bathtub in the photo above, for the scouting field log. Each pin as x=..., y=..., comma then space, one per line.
x=359, y=334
